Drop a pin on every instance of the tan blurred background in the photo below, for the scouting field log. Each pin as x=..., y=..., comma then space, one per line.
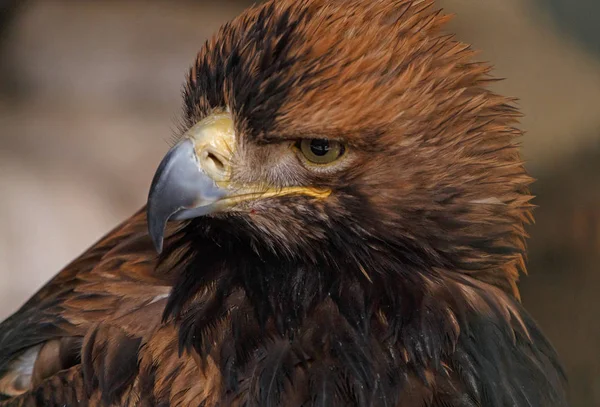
x=89, y=96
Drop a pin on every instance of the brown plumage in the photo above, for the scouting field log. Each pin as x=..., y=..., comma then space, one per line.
x=384, y=275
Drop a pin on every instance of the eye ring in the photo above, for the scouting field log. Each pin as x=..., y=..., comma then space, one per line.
x=320, y=151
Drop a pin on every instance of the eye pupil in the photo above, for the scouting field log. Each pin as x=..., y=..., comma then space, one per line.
x=319, y=147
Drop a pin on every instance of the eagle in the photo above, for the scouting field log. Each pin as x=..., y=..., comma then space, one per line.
x=340, y=222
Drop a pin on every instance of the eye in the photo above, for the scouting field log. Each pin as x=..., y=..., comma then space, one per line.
x=320, y=151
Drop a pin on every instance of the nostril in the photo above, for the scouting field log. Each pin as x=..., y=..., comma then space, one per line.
x=216, y=161
x=214, y=164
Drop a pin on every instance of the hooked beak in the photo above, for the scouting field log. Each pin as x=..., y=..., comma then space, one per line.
x=193, y=175
x=194, y=178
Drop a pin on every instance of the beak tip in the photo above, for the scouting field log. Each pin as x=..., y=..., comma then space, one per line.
x=158, y=245
x=156, y=232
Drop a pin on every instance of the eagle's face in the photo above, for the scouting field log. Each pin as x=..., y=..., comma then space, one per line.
x=326, y=130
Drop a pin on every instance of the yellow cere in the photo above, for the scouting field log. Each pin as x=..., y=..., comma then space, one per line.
x=214, y=143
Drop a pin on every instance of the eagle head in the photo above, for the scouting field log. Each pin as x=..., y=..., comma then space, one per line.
x=334, y=132
x=352, y=189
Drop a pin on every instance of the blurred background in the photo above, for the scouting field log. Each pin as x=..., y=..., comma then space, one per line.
x=90, y=94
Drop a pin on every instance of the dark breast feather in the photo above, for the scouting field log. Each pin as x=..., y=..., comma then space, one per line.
x=97, y=338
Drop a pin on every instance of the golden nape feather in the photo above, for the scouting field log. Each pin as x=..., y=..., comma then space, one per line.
x=340, y=223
